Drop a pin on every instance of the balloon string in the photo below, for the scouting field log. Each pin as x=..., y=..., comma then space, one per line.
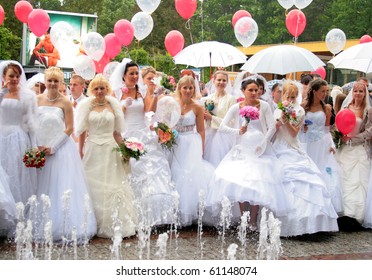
x=188, y=26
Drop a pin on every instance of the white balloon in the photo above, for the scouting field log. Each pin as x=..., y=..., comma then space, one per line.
x=109, y=69
x=143, y=25
x=246, y=31
x=286, y=4
x=335, y=40
x=61, y=34
x=84, y=66
x=301, y=4
x=148, y=6
x=168, y=111
x=94, y=45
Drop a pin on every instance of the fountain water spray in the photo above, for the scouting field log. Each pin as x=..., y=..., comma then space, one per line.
x=262, y=243
x=231, y=251
x=200, y=221
x=224, y=222
x=242, y=232
x=161, y=243
x=275, y=247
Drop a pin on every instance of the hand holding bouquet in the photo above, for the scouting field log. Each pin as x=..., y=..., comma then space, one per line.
x=34, y=158
x=209, y=106
x=167, y=136
x=131, y=148
x=289, y=111
x=249, y=113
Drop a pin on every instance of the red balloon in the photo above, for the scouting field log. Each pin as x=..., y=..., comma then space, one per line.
x=2, y=15
x=113, y=46
x=100, y=65
x=186, y=8
x=295, y=22
x=365, y=39
x=22, y=10
x=321, y=71
x=174, y=42
x=345, y=121
x=38, y=22
x=239, y=14
x=124, y=32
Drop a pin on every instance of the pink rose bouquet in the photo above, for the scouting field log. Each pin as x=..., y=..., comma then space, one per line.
x=249, y=113
x=131, y=148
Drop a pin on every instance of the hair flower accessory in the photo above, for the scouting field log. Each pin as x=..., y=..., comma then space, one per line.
x=124, y=90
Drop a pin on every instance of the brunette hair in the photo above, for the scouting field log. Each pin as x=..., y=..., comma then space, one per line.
x=314, y=86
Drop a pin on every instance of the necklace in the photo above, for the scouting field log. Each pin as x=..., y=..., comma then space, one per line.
x=100, y=104
x=52, y=100
x=185, y=105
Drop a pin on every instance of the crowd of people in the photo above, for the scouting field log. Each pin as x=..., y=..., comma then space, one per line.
x=282, y=157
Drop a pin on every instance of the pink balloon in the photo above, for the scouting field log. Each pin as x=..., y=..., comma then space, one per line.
x=100, y=65
x=186, y=8
x=113, y=46
x=2, y=15
x=38, y=22
x=365, y=39
x=321, y=71
x=124, y=32
x=239, y=14
x=296, y=22
x=22, y=10
x=345, y=121
x=174, y=42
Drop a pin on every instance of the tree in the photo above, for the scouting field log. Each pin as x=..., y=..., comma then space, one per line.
x=10, y=44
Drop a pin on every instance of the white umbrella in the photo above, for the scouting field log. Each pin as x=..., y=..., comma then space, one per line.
x=358, y=57
x=282, y=59
x=210, y=53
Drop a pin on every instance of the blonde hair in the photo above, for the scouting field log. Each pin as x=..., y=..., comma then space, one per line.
x=147, y=69
x=221, y=72
x=289, y=87
x=79, y=78
x=185, y=80
x=54, y=72
x=99, y=79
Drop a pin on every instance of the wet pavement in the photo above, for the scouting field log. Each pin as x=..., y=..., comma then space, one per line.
x=213, y=245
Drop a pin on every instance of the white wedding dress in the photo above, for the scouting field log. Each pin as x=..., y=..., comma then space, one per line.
x=63, y=180
x=7, y=206
x=317, y=142
x=150, y=175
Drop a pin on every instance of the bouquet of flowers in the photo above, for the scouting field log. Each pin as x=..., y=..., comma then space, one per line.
x=337, y=138
x=131, y=148
x=34, y=158
x=168, y=82
x=289, y=111
x=209, y=105
x=167, y=136
x=308, y=122
x=249, y=113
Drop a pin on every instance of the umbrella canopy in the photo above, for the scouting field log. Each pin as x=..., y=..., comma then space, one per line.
x=210, y=53
x=282, y=59
x=358, y=57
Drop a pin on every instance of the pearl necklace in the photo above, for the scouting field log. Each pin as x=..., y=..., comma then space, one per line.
x=52, y=100
x=100, y=104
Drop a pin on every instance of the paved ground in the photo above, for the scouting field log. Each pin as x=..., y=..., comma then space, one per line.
x=212, y=246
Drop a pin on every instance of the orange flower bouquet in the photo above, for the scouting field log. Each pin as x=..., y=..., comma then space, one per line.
x=167, y=136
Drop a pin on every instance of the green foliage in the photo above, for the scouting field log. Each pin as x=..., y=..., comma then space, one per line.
x=10, y=44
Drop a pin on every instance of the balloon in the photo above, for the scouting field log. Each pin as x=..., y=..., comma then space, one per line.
x=168, y=111
x=2, y=15
x=94, y=45
x=113, y=46
x=84, y=66
x=286, y=4
x=363, y=39
x=335, y=40
x=61, y=34
x=38, y=22
x=246, y=31
x=295, y=22
x=148, y=6
x=239, y=14
x=101, y=64
x=124, y=32
x=143, y=24
x=186, y=8
x=109, y=69
x=345, y=121
x=321, y=71
x=174, y=42
x=301, y=4
x=22, y=10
